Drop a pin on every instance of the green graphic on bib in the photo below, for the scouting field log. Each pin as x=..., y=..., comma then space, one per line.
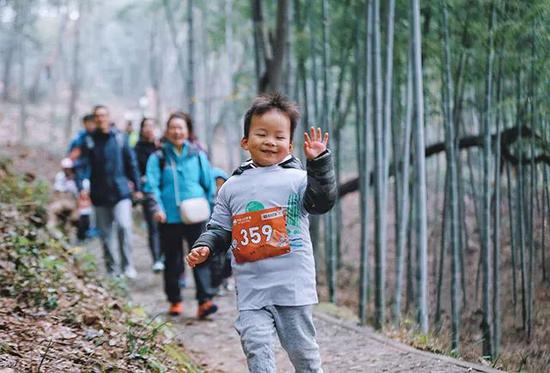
x=254, y=206
x=292, y=212
x=293, y=221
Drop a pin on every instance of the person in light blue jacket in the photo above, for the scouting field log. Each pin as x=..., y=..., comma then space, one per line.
x=183, y=165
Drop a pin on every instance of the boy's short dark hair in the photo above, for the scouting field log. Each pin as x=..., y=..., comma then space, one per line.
x=88, y=118
x=272, y=101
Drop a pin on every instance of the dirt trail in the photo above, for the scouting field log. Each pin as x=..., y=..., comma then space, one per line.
x=344, y=346
x=214, y=343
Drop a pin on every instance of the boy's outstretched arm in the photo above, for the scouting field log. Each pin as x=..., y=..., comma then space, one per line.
x=217, y=237
x=321, y=190
x=214, y=241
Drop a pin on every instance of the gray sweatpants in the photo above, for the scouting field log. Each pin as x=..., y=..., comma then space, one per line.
x=121, y=214
x=293, y=325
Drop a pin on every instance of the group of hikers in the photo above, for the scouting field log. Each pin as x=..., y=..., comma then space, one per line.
x=103, y=170
x=253, y=224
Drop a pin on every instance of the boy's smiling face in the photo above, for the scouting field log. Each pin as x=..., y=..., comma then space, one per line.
x=268, y=140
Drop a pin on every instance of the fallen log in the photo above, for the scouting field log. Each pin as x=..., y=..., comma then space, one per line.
x=507, y=139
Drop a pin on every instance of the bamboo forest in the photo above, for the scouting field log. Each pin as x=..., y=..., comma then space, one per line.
x=438, y=115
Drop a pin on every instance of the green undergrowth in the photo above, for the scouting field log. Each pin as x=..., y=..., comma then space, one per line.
x=56, y=314
x=407, y=333
x=433, y=341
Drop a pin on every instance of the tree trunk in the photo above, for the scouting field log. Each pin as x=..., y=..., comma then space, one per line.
x=23, y=10
x=521, y=209
x=420, y=171
x=174, y=37
x=512, y=237
x=22, y=95
x=314, y=75
x=329, y=218
x=229, y=118
x=486, y=210
x=301, y=81
x=273, y=53
x=75, y=82
x=54, y=71
x=496, y=318
x=191, y=60
x=388, y=93
x=275, y=66
x=545, y=212
x=257, y=24
x=443, y=251
x=314, y=220
x=288, y=51
x=464, y=237
x=10, y=52
x=404, y=194
x=532, y=181
x=155, y=67
x=364, y=175
x=410, y=296
x=450, y=140
x=380, y=246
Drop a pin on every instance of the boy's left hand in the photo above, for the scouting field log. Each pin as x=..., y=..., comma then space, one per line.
x=315, y=143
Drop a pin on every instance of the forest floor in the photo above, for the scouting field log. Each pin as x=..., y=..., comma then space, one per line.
x=214, y=344
x=56, y=313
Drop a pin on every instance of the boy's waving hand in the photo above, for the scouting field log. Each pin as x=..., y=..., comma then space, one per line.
x=314, y=143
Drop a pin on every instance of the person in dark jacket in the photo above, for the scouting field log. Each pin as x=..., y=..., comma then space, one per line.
x=77, y=143
x=86, y=220
x=146, y=145
x=220, y=265
x=113, y=167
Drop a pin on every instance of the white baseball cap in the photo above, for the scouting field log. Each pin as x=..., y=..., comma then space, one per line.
x=66, y=163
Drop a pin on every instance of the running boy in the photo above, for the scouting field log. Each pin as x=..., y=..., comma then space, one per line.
x=261, y=214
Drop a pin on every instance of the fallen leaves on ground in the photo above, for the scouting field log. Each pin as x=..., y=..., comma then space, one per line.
x=55, y=314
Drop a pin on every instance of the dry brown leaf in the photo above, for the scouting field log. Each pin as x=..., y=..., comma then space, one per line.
x=90, y=319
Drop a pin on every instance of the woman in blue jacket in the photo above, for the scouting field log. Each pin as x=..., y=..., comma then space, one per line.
x=177, y=172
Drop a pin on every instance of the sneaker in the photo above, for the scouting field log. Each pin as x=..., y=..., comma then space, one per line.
x=130, y=272
x=229, y=285
x=175, y=309
x=206, y=308
x=219, y=291
x=158, y=266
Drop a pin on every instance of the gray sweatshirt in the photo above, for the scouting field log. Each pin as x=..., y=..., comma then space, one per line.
x=288, y=279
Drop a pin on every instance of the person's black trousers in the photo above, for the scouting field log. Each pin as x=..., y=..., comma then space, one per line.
x=82, y=226
x=152, y=232
x=171, y=243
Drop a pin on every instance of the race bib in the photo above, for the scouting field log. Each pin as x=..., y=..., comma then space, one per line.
x=260, y=234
